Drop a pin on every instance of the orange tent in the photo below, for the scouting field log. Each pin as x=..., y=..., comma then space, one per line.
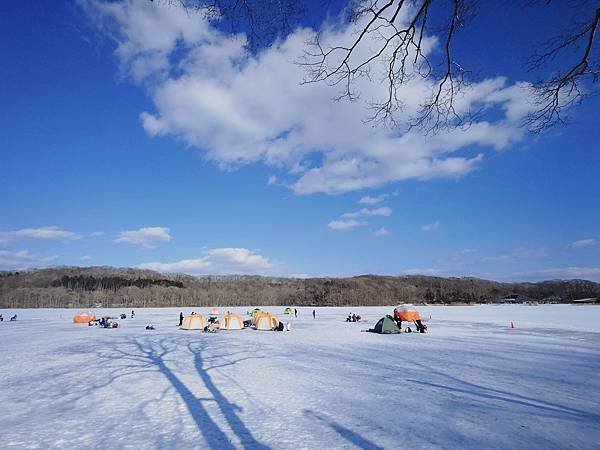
x=266, y=321
x=406, y=313
x=194, y=322
x=231, y=321
x=83, y=317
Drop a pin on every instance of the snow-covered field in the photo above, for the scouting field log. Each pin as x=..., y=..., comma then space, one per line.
x=472, y=382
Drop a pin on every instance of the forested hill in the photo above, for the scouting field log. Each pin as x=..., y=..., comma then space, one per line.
x=106, y=286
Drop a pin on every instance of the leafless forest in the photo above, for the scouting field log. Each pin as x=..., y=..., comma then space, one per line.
x=103, y=286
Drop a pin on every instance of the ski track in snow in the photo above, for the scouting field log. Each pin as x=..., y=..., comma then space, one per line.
x=472, y=382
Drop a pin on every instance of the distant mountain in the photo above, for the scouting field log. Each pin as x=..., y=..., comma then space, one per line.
x=128, y=287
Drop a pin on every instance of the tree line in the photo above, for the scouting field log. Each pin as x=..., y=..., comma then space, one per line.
x=112, y=287
x=111, y=283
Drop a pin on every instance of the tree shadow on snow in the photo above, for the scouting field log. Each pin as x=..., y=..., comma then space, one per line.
x=344, y=432
x=476, y=390
x=136, y=357
x=228, y=409
x=442, y=380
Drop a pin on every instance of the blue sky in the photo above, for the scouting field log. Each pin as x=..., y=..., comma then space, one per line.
x=167, y=153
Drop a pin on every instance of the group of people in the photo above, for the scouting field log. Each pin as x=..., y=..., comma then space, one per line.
x=352, y=318
x=12, y=319
x=105, y=322
x=419, y=325
x=110, y=322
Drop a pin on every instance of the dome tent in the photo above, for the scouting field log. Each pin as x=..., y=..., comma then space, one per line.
x=266, y=321
x=84, y=317
x=386, y=325
x=194, y=322
x=406, y=313
x=231, y=322
x=255, y=311
x=288, y=311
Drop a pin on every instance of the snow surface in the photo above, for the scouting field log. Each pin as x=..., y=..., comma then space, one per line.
x=472, y=382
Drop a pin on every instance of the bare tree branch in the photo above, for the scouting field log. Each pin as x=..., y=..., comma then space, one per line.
x=396, y=29
x=262, y=21
x=564, y=89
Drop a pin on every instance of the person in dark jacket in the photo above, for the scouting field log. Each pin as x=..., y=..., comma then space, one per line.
x=295, y=312
x=314, y=314
x=398, y=321
x=180, y=318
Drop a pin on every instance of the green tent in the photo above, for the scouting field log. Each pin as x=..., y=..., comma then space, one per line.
x=386, y=325
x=254, y=312
x=288, y=311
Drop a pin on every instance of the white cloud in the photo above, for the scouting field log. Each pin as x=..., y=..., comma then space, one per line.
x=384, y=211
x=210, y=91
x=148, y=237
x=97, y=233
x=51, y=233
x=497, y=258
x=22, y=260
x=142, y=51
x=383, y=231
x=272, y=180
x=583, y=243
x=349, y=222
x=431, y=226
x=367, y=200
x=86, y=258
x=344, y=225
x=517, y=255
x=218, y=261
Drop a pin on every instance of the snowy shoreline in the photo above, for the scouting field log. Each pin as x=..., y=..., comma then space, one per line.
x=559, y=316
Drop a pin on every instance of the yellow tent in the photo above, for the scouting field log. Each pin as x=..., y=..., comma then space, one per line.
x=194, y=322
x=266, y=321
x=231, y=321
x=83, y=317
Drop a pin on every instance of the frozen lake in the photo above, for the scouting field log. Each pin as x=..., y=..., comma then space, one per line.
x=472, y=382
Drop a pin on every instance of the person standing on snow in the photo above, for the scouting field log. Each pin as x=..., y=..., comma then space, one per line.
x=295, y=312
x=180, y=318
x=314, y=314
